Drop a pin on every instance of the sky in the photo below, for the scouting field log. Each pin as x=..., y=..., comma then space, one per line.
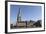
x=27, y=12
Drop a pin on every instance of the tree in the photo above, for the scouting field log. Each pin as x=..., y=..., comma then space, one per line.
x=38, y=23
